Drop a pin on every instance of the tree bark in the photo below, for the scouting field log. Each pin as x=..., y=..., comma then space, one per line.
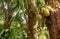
x=31, y=20
x=54, y=28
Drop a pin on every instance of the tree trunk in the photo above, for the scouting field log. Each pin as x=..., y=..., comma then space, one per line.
x=54, y=28
x=31, y=20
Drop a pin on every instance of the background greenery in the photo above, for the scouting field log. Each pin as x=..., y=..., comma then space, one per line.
x=19, y=23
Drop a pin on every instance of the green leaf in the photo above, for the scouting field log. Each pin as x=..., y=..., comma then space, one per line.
x=21, y=3
x=42, y=3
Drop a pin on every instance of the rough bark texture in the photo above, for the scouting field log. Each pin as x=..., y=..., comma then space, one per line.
x=31, y=20
x=54, y=29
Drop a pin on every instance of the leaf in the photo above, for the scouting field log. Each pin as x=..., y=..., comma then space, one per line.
x=42, y=3
x=21, y=4
x=1, y=32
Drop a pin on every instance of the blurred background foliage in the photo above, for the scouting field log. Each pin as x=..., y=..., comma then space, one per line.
x=20, y=17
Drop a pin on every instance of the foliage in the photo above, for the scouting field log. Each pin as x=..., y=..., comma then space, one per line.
x=42, y=3
x=19, y=24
